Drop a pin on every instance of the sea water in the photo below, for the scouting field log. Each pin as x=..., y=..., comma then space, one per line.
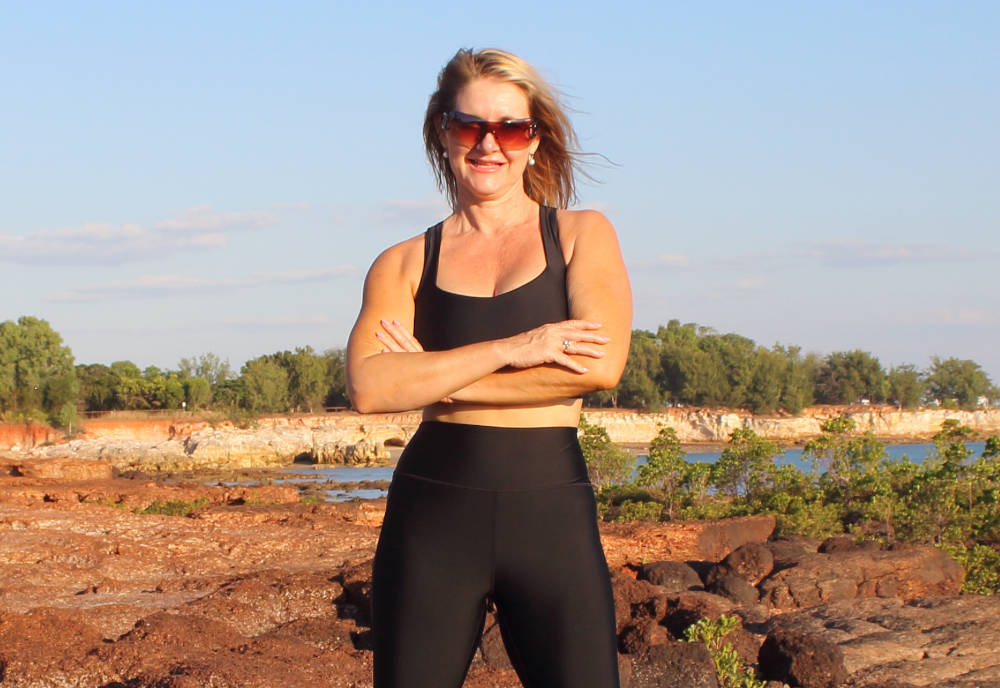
x=916, y=453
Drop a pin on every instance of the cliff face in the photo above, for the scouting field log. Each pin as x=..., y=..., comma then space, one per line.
x=704, y=425
x=354, y=439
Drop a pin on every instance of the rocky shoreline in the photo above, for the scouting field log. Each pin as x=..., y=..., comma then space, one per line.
x=99, y=588
x=350, y=439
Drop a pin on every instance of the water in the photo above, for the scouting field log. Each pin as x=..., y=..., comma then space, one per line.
x=791, y=456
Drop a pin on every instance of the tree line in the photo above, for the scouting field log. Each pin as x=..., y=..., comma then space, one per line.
x=40, y=381
x=695, y=365
x=678, y=364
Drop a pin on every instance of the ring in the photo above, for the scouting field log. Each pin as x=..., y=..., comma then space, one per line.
x=566, y=344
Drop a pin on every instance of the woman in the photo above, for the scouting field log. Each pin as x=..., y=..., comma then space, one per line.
x=516, y=309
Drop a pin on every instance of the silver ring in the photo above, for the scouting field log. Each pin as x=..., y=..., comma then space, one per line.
x=567, y=344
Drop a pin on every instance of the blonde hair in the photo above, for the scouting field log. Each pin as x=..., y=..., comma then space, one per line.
x=550, y=181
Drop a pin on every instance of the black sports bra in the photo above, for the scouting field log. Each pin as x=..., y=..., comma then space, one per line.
x=445, y=320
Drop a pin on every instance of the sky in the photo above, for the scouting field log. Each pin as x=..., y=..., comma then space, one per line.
x=190, y=177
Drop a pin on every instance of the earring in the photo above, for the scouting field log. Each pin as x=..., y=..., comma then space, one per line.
x=445, y=153
x=531, y=158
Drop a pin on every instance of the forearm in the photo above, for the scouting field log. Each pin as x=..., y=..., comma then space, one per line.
x=538, y=385
x=403, y=381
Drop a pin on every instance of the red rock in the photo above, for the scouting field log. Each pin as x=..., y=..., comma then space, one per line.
x=638, y=542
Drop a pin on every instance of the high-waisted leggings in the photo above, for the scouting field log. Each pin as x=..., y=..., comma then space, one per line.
x=478, y=514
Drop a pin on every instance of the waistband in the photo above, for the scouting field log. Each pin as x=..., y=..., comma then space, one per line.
x=494, y=458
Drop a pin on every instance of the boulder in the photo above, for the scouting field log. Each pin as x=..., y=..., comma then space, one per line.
x=672, y=576
x=685, y=608
x=752, y=562
x=904, y=573
x=636, y=599
x=802, y=659
x=736, y=589
x=673, y=665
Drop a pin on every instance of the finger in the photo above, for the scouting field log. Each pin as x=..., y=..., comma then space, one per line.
x=592, y=337
x=567, y=362
x=397, y=335
x=390, y=343
x=408, y=336
x=576, y=350
x=582, y=324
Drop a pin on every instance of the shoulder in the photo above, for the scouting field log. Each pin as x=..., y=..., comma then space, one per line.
x=401, y=263
x=584, y=230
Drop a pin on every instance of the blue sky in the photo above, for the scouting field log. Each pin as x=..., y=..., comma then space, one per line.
x=191, y=177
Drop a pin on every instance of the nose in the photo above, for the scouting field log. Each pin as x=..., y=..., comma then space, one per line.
x=488, y=143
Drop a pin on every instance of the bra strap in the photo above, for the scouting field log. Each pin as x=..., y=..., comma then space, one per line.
x=432, y=249
x=550, y=238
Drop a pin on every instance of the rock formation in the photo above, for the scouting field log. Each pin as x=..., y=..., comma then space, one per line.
x=254, y=588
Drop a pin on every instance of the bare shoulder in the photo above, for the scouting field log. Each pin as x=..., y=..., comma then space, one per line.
x=402, y=262
x=586, y=229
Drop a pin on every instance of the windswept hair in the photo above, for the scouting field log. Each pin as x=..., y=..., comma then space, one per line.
x=550, y=181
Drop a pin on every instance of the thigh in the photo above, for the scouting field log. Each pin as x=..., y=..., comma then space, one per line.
x=553, y=591
x=431, y=576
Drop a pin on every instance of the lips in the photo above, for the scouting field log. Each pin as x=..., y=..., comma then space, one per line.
x=479, y=163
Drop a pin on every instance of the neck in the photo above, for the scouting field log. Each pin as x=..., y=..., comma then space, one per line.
x=495, y=215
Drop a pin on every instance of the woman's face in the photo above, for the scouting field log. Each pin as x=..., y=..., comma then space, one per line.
x=486, y=171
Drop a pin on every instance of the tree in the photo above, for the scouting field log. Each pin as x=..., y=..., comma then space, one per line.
x=906, y=388
x=607, y=463
x=208, y=366
x=844, y=457
x=336, y=393
x=665, y=467
x=959, y=379
x=98, y=386
x=745, y=467
x=638, y=387
x=197, y=392
x=266, y=386
x=847, y=376
x=37, y=375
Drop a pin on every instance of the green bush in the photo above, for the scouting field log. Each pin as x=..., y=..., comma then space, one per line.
x=640, y=511
x=174, y=507
x=728, y=666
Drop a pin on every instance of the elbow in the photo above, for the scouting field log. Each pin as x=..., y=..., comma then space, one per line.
x=362, y=398
x=605, y=379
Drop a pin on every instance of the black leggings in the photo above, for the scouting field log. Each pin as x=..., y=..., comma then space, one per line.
x=478, y=513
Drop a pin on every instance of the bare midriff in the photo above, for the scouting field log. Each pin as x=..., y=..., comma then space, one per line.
x=561, y=414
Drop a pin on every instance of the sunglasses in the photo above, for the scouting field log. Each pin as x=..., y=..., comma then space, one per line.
x=511, y=134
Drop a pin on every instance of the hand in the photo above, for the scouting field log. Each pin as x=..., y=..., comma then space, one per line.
x=397, y=339
x=555, y=343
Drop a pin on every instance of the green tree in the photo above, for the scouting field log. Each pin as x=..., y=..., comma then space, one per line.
x=98, y=386
x=197, y=392
x=665, y=467
x=266, y=386
x=959, y=379
x=336, y=393
x=607, y=463
x=906, y=387
x=800, y=379
x=37, y=375
x=847, y=376
x=746, y=465
x=638, y=387
x=845, y=458
x=208, y=366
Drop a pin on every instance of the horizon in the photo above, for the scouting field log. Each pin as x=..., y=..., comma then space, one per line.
x=190, y=179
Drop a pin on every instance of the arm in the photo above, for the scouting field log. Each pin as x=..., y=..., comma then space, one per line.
x=598, y=291
x=384, y=378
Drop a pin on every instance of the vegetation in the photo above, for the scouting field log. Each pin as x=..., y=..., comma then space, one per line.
x=951, y=499
x=694, y=365
x=728, y=666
